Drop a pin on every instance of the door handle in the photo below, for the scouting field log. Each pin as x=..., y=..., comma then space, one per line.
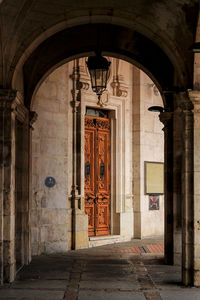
x=95, y=200
x=89, y=197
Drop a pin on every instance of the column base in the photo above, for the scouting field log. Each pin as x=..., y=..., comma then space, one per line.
x=80, y=229
x=187, y=277
x=9, y=272
x=197, y=278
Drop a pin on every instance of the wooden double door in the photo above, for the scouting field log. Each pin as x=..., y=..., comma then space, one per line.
x=97, y=175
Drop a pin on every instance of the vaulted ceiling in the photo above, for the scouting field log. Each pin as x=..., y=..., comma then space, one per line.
x=38, y=34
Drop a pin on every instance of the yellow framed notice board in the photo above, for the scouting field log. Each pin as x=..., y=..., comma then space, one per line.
x=154, y=177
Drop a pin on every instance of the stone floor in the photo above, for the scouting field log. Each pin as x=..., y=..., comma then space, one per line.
x=125, y=271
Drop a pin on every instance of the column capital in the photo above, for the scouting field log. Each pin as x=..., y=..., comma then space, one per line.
x=194, y=96
x=183, y=102
x=12, y=100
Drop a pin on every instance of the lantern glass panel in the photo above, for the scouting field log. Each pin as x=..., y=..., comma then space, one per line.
x=99, y=79
x=105, y=75
x=93, y=78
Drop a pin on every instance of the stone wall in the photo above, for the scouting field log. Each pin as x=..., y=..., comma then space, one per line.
x=49, y=158
x=148, y=146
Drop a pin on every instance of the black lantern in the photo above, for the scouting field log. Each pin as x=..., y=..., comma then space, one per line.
x=98, y=67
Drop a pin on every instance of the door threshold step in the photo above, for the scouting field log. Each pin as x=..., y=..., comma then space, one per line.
x=95, y=241
x=103, y=237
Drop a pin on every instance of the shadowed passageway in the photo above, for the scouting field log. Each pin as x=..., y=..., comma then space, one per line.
x=129, y=271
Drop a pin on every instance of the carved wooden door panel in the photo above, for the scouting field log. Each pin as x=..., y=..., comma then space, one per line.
x=90, y=196
x=97, y=175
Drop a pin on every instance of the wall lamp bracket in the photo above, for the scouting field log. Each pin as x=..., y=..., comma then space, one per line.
x=195, y=47
x=157, y=109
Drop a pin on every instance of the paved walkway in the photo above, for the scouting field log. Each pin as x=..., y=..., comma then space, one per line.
x=125, y=271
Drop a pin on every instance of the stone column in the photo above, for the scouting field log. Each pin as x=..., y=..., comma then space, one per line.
x=79, y=218
x=7, y=184
x=32, y=119
x=167, y=119
x=22, y=207
x=178, y=145
x=195, y=210
x=187, y=191
x=14, y=124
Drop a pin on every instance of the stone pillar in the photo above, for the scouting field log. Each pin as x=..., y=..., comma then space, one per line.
x=79, y=218
x=178, y=145
x=22, y=207
x=32, y=119
x=7, y=181
x=167, y=119
x=187, y=192
x=14, y=124
x=195, y=210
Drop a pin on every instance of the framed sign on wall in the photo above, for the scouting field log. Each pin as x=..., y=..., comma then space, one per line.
x=154, y=202
x=154, y=177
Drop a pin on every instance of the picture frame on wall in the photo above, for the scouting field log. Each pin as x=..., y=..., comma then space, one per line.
x=154, y=202
x=154, y=178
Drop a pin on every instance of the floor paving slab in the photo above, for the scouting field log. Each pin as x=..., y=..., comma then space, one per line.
x=98, y=276
x=184, y=294
x=103, y=295
x=42, y=275
x=109, y=284
x=40, y=284
x=27, y=294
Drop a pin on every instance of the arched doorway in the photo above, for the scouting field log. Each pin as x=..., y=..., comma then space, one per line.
x=117, y=138
x=130, y=45
x=127, y=44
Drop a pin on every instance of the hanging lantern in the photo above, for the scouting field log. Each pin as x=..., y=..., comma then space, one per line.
x=98, y=67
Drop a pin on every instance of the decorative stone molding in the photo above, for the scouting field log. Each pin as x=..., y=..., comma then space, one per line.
x=154, y=88
x=183, y=102
x=32, y=118
x=195, y=99
x=83, y=85
x=79, y=237
x=84, y=78
x=20, y=110
x=13, y=100
x=119, y=87
x=75, y=104
x=104, y=99
x=80, y=80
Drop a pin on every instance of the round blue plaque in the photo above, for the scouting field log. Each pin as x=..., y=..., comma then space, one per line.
x=50, y=182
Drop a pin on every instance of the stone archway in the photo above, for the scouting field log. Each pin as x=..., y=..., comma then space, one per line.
x=128, y=44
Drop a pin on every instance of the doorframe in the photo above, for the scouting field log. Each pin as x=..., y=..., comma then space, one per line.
x=116, y=108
